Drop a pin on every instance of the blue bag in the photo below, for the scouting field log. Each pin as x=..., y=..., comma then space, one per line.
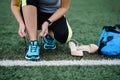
x=109, y=41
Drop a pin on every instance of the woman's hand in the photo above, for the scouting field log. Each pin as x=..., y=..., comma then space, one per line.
x=44, y=31
x=21, y=31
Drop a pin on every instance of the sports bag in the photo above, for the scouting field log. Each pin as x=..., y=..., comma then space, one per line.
x=109, y=41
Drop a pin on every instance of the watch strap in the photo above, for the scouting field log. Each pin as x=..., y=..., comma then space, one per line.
x=49, y=22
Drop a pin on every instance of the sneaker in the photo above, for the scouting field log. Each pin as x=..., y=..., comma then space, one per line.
x=33, y=51
x=49, y=42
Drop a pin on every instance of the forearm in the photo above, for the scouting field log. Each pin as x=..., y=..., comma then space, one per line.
x=17, y=14
x=58, y=14
x=61, y=11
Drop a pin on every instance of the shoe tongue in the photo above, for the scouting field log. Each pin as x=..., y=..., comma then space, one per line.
x=48, y=36
x=34, y=43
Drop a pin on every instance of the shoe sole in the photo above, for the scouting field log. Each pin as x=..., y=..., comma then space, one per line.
x=50, y=48
x=32, y=58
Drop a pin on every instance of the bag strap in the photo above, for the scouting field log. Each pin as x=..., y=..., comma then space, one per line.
x=101, y=46
x=115, y=29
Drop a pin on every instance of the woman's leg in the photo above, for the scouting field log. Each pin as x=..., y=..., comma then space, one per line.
x=30, y=18
x=29, y=11
x=62, y=30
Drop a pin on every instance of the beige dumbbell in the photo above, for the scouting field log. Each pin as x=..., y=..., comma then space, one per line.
x=74, y=49
x=91, y=48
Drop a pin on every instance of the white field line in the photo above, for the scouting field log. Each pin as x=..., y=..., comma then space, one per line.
x=58, y=63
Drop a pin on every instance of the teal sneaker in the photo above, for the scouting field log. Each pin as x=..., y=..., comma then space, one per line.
x=49, y=42
x=33, y=52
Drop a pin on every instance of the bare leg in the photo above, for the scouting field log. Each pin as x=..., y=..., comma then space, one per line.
x=30, y=17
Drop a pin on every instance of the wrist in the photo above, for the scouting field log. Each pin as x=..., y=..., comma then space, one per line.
x=49, y=22
x=21, y=23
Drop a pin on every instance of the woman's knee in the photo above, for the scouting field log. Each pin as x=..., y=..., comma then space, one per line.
x=61, y=37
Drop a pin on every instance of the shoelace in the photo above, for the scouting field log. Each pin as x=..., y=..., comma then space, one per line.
x=33, y=48
x=50, y=41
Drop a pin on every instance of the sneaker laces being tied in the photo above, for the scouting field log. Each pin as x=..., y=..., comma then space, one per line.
x=33, y=46
x=50, y=40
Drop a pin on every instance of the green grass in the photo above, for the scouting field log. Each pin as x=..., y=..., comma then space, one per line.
x=61, y=73
x=86, y=18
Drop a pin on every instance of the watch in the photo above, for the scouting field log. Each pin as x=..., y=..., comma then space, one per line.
x=49, y=22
